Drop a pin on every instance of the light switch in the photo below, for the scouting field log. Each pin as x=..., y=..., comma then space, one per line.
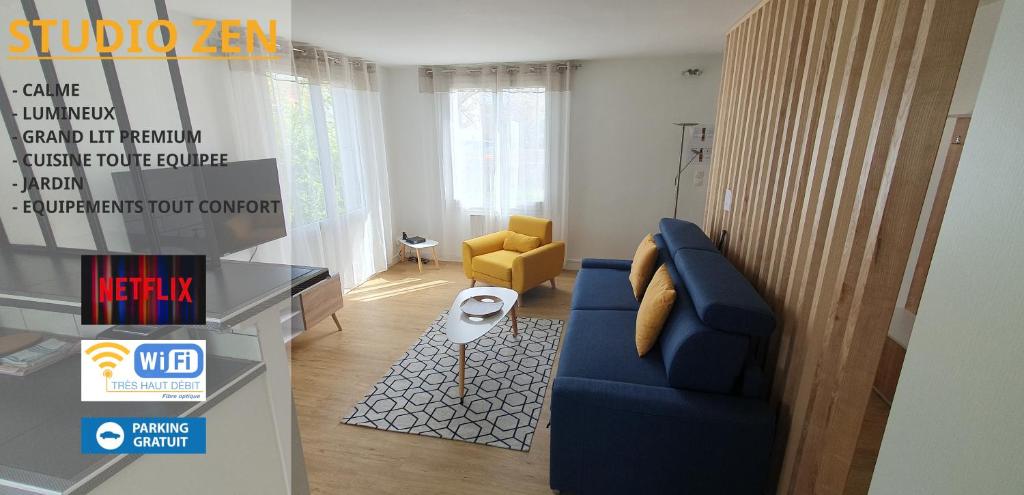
x=727, y=202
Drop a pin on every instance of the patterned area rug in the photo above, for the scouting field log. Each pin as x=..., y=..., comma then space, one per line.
x=506, y=380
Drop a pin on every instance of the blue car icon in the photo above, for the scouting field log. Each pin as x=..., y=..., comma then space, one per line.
x=109, y=435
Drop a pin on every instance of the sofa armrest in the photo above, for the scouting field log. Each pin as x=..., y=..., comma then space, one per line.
x=607, y=263
x=537, y=265
x=614, y=437
x=480, y=245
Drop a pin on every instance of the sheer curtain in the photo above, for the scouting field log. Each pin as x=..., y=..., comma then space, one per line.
x=502, y=141
x=319, y=114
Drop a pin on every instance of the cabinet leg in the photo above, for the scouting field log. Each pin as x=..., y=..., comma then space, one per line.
x=336, y=322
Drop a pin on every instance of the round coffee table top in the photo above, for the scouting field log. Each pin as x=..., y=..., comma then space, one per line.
x=462, y=328
x=429, y=243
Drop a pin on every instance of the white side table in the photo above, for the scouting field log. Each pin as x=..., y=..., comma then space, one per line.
x=429, y=243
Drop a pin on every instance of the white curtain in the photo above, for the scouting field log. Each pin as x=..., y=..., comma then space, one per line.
x=319, y=114
x=502, y=141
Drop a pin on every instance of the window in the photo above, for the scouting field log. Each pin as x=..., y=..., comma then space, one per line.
x=296, y=131
x=344, y=131
x=498, y=148
x=315, y=129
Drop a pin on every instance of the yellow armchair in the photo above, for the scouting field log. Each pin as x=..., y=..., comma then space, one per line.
x=485, y=259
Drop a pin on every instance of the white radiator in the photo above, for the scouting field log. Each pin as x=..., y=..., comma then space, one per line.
x=477, y=225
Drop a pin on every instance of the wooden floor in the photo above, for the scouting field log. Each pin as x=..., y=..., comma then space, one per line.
x=331, y=371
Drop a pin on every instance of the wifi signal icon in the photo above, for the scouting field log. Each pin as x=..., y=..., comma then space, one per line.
x=107, y=355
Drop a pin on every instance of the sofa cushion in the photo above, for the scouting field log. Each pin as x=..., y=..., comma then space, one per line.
x=754, y=382
x=497, y=264
x=532, y=226
x=642, y=269
x=696, y=356
x=723, y=298
x=654, y=310
x=604, y=288
x=680, y=234
x=520, y=243
x=599, y=344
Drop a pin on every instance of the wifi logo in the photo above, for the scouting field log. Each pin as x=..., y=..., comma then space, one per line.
x=107, y=355
x=136, y=370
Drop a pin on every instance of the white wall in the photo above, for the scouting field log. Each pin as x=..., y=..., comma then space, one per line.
x=956, y=426
x=409, y=143
x=624, y=150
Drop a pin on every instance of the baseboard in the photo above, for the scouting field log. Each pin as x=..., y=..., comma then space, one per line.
x=573, y=265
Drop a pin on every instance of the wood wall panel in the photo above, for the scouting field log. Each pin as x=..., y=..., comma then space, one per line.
x=829, y=120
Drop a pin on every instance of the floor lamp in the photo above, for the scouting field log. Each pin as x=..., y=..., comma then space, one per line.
x=681, y=169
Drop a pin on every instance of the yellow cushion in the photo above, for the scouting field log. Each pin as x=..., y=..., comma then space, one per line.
x=535, y=226
x=654, y=309
x=521, y=243
x=497, y=264
x=643, y=266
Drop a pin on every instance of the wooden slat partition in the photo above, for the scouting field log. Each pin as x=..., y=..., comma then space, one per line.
x=829, y=120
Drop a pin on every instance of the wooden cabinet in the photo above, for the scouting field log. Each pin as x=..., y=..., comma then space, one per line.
x=320, y=301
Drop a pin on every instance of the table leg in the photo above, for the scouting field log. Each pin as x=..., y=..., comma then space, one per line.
x=433, y=251
x=462, y=370
x=419, y=261
x=515, y=322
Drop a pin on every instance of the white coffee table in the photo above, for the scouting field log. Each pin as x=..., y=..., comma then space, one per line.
x=462, y=329
x=429, y=243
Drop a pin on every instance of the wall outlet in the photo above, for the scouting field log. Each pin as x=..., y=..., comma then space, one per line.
x=698, y=178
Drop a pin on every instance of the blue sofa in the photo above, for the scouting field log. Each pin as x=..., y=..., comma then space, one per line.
x=689, y=417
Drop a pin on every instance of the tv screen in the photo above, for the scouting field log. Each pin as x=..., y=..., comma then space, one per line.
x=247, y=210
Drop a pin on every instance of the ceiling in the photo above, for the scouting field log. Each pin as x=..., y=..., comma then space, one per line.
x=414, y=32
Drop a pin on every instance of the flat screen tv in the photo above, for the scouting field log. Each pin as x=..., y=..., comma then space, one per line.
x=254, y=182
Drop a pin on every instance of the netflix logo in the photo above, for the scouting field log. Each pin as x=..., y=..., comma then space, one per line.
x=143, y=290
